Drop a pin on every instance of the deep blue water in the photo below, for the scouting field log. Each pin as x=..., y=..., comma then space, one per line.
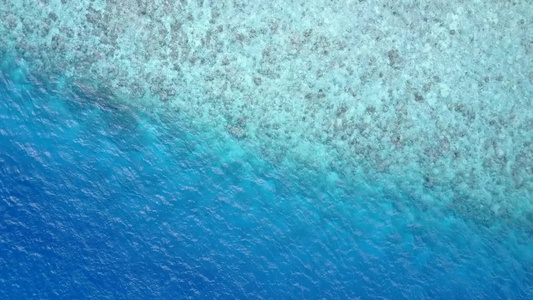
x=98, y=201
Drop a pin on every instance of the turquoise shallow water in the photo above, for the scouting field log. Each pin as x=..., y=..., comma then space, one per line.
x=430, y=98
x=317, y=150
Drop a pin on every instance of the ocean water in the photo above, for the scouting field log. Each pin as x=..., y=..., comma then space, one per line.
x=266, y=149
x=102, y=202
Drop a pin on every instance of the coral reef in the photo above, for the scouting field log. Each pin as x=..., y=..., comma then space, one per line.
x=435, y=97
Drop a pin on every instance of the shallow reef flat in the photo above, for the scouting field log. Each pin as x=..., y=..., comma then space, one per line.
x=430, y=99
